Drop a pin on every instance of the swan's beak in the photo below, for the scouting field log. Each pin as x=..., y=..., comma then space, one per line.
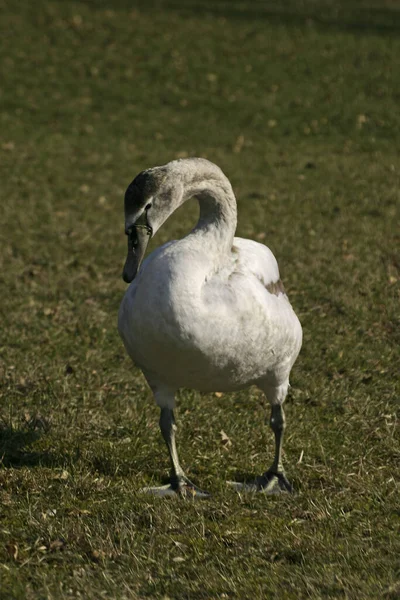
x=138, y=237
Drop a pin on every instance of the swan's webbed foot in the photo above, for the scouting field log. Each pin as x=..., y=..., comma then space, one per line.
x=179, y=486
x=269, y=483
x=185, y=488
x=274, y=483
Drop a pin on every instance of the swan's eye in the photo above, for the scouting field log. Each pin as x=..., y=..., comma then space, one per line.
x=148, y=206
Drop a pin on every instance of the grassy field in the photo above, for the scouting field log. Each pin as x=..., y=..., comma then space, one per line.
x=298, y=102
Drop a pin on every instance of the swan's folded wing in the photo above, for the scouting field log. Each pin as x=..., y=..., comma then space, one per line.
x=258, y=259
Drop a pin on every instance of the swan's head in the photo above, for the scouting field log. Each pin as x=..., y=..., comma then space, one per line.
x=149, y=200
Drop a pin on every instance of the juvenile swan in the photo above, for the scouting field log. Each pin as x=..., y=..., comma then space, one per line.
x=207, y=312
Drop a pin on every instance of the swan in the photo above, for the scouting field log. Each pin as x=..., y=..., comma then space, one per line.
x=207, y=312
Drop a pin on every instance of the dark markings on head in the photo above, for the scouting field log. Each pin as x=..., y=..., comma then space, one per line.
x=138, y=191
x=145, y=185
x=138, y=185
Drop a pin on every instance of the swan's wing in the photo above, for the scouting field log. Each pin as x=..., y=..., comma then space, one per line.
x=257, y=259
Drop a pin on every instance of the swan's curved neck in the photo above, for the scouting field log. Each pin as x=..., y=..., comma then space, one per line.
x=218, y=215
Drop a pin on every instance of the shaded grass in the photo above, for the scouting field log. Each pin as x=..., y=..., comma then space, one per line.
x=298, y=104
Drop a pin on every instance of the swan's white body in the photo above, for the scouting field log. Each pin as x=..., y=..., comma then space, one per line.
x=189, y=324
x=206, y=312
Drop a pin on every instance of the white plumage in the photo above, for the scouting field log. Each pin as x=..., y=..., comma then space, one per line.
x=206, y=312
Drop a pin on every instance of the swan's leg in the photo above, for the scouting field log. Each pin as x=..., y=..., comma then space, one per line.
x=179, y=483
x=274, y=480
x=168, y=429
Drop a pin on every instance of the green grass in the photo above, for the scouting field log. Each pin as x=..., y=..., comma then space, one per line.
x=298, y=103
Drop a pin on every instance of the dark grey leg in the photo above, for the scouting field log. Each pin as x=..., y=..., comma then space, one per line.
x=276, y=474
x=277, y=423
x=274, y=480
x=168, y=429
x=179, y=483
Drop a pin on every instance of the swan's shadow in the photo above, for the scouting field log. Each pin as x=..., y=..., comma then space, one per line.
x=15, y=452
